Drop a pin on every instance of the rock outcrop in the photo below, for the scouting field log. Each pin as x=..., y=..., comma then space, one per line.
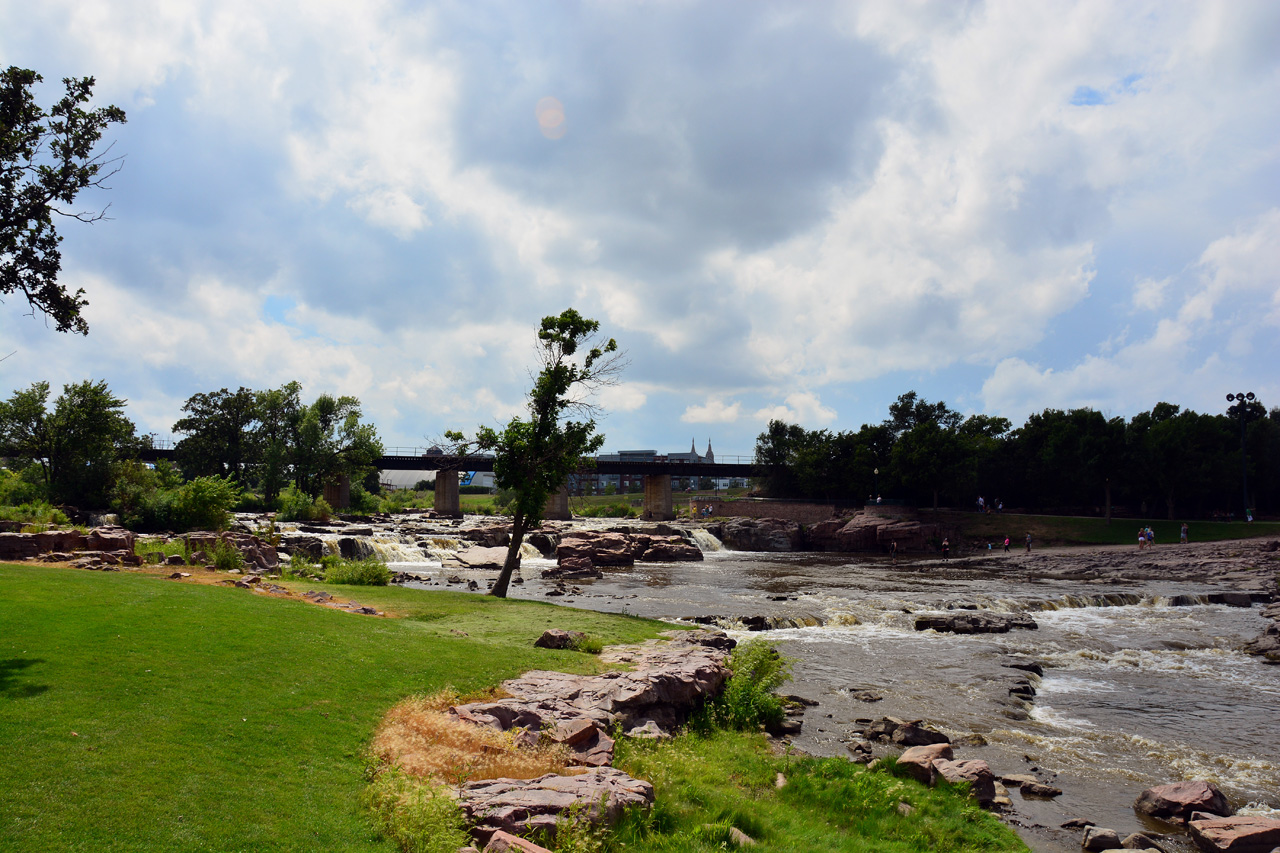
x=666, y=681
x=969, y=622
x=613, y=548
x=871, y=531
x=1267, y=644
x=26, y=546
x=521, y=806
x=761, y=534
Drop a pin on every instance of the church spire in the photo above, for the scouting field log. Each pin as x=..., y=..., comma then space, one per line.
x=710, y=457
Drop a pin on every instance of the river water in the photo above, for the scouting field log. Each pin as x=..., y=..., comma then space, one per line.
x=1136, y=692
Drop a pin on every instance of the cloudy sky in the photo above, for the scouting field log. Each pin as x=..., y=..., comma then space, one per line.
x=793, y=211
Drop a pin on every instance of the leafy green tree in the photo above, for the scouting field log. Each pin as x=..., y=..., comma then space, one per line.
x=46, y=159
x=79, y=444
x=332, y=442
x=220, y=437
x=534, y=456
x=279, y=417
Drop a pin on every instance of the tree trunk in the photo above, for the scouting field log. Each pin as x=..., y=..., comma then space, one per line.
x=512, y=563
x=1169, y=502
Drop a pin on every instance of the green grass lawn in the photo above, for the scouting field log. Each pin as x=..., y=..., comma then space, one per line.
x=143, y=714
x=1078, y=530
x=705, y=785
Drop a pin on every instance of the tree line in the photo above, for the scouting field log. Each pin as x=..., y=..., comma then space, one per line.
x=247, y=447
x=1166, y=461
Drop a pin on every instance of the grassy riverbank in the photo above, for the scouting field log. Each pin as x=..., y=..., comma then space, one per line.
x=1078, y=530
x=142, y=714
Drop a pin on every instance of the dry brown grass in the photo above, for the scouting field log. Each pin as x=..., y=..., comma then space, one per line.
x=418, y=736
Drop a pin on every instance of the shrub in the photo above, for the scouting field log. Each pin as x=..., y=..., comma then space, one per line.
x=297, y=505
x=367, y=572
x=588, y=643
x=226, y=556
x=20, y=488
x=34, y=512
x=362, y=502
x=748, y=700
x=417, y=815
x=205, y=504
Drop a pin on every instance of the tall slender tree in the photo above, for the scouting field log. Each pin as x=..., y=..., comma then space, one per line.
x=535, y=455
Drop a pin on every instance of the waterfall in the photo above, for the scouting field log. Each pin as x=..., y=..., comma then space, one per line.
x=707, y=542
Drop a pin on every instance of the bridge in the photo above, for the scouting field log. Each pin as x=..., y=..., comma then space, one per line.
x=658, y=503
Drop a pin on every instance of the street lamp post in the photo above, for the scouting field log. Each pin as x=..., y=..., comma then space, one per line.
x=875, y=481
x=1243, y=399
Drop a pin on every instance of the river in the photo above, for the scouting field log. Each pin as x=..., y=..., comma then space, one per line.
x=1136, y=691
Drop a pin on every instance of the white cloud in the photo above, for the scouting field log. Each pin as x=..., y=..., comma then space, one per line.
x=714, y=411
x=800, y=408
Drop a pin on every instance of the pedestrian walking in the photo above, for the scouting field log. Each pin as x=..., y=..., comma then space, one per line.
x=1006, y=544
x=1028, y=543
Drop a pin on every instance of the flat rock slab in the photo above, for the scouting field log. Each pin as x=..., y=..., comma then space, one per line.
x=481, y=558
x=521, y=806
x=1239, y=834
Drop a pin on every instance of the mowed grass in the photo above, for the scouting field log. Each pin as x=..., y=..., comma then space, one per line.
x=1077, y=530
x=141, y=714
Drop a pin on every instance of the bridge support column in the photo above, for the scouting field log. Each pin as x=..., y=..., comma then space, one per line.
x=557, y=508
x=338, y=494
x=657, y=498
x=446, y=500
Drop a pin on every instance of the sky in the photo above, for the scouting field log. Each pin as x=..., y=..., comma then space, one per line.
x=779, y=211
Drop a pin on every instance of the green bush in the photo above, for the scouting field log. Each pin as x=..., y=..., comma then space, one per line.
x=157, y=499
x=748, y=701
x=617, y=510
x=297, y=505
x=224, y=556
x=364, y=503
x=367, y=572
x=34, y=512
x=588, y=643
x=21, y=487
x=420, y=817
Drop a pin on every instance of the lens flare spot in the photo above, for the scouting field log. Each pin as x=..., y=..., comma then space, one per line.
x=550, y=113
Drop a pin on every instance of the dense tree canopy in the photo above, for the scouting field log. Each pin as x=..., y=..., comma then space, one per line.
x=78, y=445
x=1167, y=460
x=46, y=160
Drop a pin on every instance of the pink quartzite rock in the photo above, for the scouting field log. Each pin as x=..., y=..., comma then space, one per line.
x=1176, y=802
x=110, y=539
x=522, y=805
x=505, y=842
x=668, y=549
x=982, y=782
x=1239, y=834
x=555, y=638
x=761, y=534
x=918, y=760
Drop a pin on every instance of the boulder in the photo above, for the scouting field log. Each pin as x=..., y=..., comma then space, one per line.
x=477, y=557
x=1039, y=789
x=1097, y=838
x=670, y=549
x=573, y=568
x=311, y=547
x=1176, y=802
x=1138, y=841
x=554, y=638
x=524, y=806
x=505, y=842
x=602, y=549
x=109, y=538
x=19, y=546
x=871, y=532
x=916, y=733
x=975, y=771
x=918, y=760
x=1239, y=834
x=761, y=534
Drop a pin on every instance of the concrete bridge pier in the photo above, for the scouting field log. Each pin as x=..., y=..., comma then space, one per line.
x=447, y=501
x=557, y=508
x=657, y=498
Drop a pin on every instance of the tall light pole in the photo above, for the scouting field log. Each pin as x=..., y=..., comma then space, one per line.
x=1243, y=400
x=875, y=481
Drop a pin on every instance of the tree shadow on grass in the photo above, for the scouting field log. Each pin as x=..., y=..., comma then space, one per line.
x=10, y=669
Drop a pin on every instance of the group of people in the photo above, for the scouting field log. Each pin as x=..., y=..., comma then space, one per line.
x=1147, y=536
x=995, y=506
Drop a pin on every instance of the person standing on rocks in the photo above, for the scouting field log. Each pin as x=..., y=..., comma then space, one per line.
x=1028, y=543
x=1183, y=539
x=893, y=550
x=946, y=548
x=1142, y=538
x=1006, y=544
